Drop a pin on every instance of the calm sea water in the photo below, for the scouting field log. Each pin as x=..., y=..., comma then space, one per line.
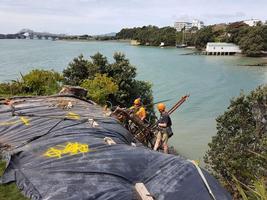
x=211, y=81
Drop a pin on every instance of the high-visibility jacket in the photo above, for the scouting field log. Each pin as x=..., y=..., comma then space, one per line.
x=139, y=111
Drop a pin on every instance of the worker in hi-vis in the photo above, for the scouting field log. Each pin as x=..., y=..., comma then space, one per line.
x=138, y=109
x=164, y=128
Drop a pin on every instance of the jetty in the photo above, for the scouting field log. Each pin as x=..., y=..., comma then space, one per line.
x=221, y=49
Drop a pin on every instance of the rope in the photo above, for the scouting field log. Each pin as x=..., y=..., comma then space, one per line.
x=203, y=178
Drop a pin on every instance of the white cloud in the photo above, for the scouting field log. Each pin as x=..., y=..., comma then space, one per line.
x=99, y=16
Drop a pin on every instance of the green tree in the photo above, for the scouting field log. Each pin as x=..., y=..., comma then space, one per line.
x=42, y=82
x=123, y=74
x=179, y=37
x=100, y=87
x=151, y=35
x=241, y=132
x=203, y=36
x=252, y=43
x=121, y=70
x=265, y=37
x=99, y=64
x=77, y=71
x=235, y=31
x=168, y=36
x=143, y=89
x=187, y=37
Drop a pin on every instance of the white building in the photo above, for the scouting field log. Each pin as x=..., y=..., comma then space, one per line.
x=220, y=48
x=252, y=22
x=179, y=26
x=197, y=23
x=188, y=25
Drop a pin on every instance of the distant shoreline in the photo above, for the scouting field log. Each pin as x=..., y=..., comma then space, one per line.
x=194, y=49
x=92, y=40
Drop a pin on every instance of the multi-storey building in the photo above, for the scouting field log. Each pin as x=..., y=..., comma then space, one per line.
x=252, y=22
x=197, y=23
x=179, y=26
x=182, y=25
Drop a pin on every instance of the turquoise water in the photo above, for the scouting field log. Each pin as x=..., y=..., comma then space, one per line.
x=211, y=81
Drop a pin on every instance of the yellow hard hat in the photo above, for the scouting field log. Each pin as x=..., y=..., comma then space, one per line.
x=137, y=101
x=161, y=106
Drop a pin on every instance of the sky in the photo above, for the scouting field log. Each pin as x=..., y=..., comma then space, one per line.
x=105, y=16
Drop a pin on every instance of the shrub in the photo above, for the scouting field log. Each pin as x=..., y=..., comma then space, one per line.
x=37, y=82
x=77, y=71
x=100, y=87
x=203, y=36
x=42, y=82
x=241, y=132
x=122, y=73
x=12, y=88
x=252, y=43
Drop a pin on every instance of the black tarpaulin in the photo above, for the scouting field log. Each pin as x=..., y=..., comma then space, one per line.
x=55, y=149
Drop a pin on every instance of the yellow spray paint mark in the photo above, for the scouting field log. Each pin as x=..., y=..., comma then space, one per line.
x=24, y=120
x=72, y=115
x=9, y=123
x=68, y=149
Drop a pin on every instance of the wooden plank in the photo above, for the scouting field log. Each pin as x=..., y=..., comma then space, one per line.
x=142, y=192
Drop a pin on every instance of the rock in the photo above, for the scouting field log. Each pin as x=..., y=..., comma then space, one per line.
x=74, y=90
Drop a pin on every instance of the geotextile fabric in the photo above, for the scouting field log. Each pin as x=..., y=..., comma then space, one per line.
x=55, y=149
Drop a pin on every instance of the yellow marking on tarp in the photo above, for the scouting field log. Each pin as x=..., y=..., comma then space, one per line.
x=195, y=162
x=68, y=149
x=72, y=115
x=25, y=121
x=9, y=123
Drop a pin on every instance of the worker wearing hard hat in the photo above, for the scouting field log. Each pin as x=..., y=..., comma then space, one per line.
x=138, y=109
x=164, y=125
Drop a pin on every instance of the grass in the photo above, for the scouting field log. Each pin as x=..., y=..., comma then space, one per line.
x=9, y=191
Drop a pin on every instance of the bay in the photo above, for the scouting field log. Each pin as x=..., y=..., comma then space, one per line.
x=211, y=81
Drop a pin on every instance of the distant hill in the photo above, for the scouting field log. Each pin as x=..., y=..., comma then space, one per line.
x=32, y=32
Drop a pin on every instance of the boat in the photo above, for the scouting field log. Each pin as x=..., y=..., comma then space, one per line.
x=183, y=45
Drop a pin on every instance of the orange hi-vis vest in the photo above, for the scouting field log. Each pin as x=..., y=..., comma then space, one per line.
x=140, y=112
